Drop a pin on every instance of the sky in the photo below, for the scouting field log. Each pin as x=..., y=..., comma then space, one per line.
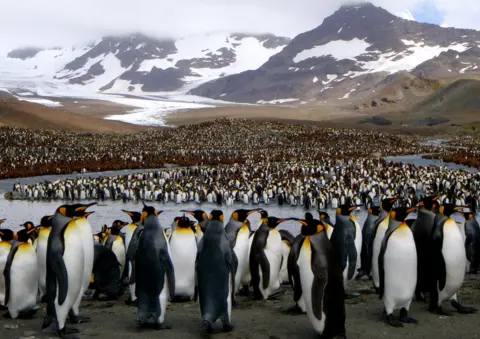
x=50, y=23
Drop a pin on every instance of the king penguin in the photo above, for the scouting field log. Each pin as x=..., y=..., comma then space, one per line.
x=422, y=233
x=327, y=222
x=397, y=266
x=216, y=267
x=367, y=238
x=42, y=244
x=238, y=233
x=65, y=268
x=471, y=233
x=132, y=234
x=106, y=273
x=321, y=281
x=449, y=260
x=116, y=242
x=83, y=225
x=347, y=242
x=155, y=276
x=379, y=229
x=29, y=232
x=183, y=248
x=6, y=236
x=266, y=259
x=202, y=220
x=287, y=242
x=21, y=278
x=292, y=267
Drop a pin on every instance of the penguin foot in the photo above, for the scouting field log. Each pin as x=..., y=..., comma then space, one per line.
x=163, y=326
x=463, y=309
x=393, y=322
x=295, y=309
x=29, y=313
x=227, y=327
x=3, y=308
x=129, y=302
x=7, y=315
x=277, y=295
x=244, y=291
x=78, y=319
x=351, y=295
x=207, y=326
x=404, y=318
x=67, y=333
x=438, y=310
x=180, y=299
x=44, y=299
x=361, y=274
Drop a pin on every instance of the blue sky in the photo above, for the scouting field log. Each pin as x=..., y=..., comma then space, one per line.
x=428, y=12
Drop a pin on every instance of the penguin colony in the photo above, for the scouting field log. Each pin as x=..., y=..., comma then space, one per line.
x=27, y=152
x=205, y=259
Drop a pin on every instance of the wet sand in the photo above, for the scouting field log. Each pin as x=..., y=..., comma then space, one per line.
x=265, y=319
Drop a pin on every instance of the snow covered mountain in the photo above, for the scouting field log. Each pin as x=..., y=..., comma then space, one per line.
x=349, y=55
x=137, y=63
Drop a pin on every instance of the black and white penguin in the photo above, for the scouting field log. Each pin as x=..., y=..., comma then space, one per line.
x=448, y=260
x=29, y=232
x=238, y=233
x=115, y=241
x=266, y=259
x=380, y=227
x=216, y=267
x=6, y=236
x=347, y=241
x=327, y=222
x=202, y=220
x=287, y=242
x=471, y=234
x=132, y=234
x=183, y=251
x=106, y=272
x=367, y=238
x=154, y=272
x=397, y=264
x=86, y=233
x=422, y=232
x=65, y=268
x=321, y=281
x=21, y=278
x=41, y=248
x=293, y=270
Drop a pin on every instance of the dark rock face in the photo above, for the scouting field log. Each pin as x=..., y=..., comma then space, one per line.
x=385, y=37
x=133, y=50
x=24, y=53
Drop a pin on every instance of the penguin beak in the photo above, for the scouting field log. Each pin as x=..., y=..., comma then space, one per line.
x=436, y=198
x=15, y=236
x=87, y=214
x=459, y=208
x=283, y=220
x=410, y=210
x=421, y=204
x=302, y=222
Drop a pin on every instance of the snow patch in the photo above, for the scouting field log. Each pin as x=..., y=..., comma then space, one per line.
x=276, y=101
x=348, y=94
x=338, y=49
x=315, y=80
x=41, y=101
x=464, y=69
x=406, y=14
x=330, y=78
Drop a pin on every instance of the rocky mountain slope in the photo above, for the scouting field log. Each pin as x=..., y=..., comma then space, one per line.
x=138, y=63
x=350, y=56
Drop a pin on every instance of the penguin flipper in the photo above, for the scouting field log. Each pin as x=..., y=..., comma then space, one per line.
x=265, y=266
x=61, y=274
x=232, y=264
x=6, y=272
x=439, y=261
x=381, y=270
x=293, y=271
x=320, y=280
x=352, y=256
x=169, y=270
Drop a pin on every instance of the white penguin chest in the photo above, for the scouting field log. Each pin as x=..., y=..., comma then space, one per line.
x=453, y=251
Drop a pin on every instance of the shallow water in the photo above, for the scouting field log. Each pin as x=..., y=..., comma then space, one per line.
x=417, y=160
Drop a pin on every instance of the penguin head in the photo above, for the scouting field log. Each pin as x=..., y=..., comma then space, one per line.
x=216, y=215
x=2, y=221
x=401, y=213
x=429, y=202
x=117, y=226
x=374, y=210
x=310, y=226
x=148, y=211
x=28, y=225
x=183, y=222
x=263, y=214
x=449, y=209
x=46, y=221
x=308, y=216
x=25, y=235
x=323, y=215
x=74, y=210
x=199, y=215
x=387, y=204
x=241, y=215
x=135, y=216
x=7, y=234
x=345, y=209
x=273, y=222
x=468, y=215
